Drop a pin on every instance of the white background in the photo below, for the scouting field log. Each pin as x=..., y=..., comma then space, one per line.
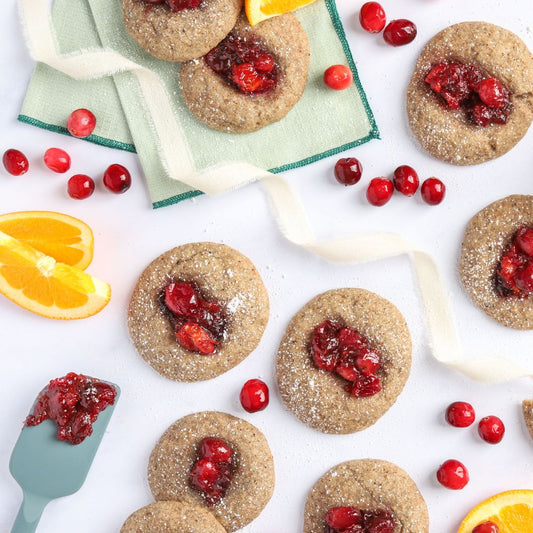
x=129, y=234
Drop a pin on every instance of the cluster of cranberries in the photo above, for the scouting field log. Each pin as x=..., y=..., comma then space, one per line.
x=80, y=123
x=177, y=5
x=514, y=274
x=199, y=324
x=453, y=474
x=397, y=33
x=212, y=472
x=348, y=171
x=348, y=519
x=343, y=350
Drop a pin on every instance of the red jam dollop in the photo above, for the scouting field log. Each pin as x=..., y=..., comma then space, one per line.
x=244, y=63
x=514, y=274
x=177, y=5
x=485, y=99
x=199, y=324
x=212, y=472
x=350, y=519
x=343, y=350
x=73, y=402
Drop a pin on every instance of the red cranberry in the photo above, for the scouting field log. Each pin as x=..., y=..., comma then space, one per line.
x=524, y=240
x=492, y=92
x=338, y=77
x=80, y=186
x=246, y=77
x=264, y=63
x=348, y=170
x=179, y=5
x=324, y=345
x=216, y=450
x=117, y=178
x=81, y=123
x=204, y=475
x=399, y=32
x=372, y=17
x=460, y=414
x=367, y=362
x=379, y=191
x=57, y=160
x=491, y=429
x=524, y=278
x=433, y=191
x=453, y=475
x=406, y=180
x=15, y=162
x=365, y=386
x=341, y=518
x=254, y=395
x=486, y=527
x=514, y=274
x=195, y=338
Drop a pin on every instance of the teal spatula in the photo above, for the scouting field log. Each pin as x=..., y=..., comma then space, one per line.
x=47, y=468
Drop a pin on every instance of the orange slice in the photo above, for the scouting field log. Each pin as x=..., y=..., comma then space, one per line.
x=40, y=284
x=65, y=238
x=258, y=10
x=511, y=511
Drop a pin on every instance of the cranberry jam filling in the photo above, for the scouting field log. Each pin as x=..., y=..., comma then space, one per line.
x=514, y=274
x=353, y=520
x=176, y=5
x=485, y=100
x=212, y=472
x=73, y=402
x=198, y=323
x=244, y=64
x=343, y=350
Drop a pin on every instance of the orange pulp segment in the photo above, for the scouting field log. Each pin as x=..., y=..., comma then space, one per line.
x=259, y=10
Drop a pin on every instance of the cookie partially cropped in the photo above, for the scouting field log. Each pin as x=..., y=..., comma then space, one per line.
x=448, y=134
x=252, y=483
x=373, y=487
x=321, y=398
x=220, y=104
x=527, y=412
x=486, y=239
x=171, y=517
x=220, y=275
x=180, y=35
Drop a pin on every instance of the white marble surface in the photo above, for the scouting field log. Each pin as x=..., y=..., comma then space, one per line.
x=128, y=234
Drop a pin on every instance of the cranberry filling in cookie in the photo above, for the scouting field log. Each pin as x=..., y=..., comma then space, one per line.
x=244, y=63
x=485, y=99
x=199, y=324
x=353, y=520
x=212, y=472
x=345, y=351
x=176, y=5
x=514, y=275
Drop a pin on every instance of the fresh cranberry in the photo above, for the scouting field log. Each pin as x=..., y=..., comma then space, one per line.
x=57, y=160
x=379, y=191
x=246, y=77
x=80, y=186
x=204, y=475
x=254, y=395
x=491, y=429
x=453, y=475
x=264, y=63
x=399, y=32
x=433, y=191
x=372, y=17
x=195, y=338
x=81, y=123
x=338, y=77
x=15, y=162
x=460, y=414
x=406, y=180
x=216, y=450
x=524, y=278
x=348, y=170
x=73, y=402
x=367, y=362
x=180, y=5
x=117, y=178
x=492, y=92
x=486, y=527
x=524, y=240
x=343, y=517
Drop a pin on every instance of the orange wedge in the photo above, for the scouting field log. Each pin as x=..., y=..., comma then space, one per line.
x=40, y=284
x=511, y=511
x=259, y=10
x=65, y=238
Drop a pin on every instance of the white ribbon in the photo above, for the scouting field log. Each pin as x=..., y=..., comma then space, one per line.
x=288, y=211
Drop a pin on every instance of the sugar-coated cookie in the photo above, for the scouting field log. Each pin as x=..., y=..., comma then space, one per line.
x=527, y=412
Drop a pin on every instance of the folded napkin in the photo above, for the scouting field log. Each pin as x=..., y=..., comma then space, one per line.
x=332, y=120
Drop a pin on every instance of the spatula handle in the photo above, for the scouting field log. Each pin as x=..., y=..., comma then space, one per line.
x=29, y=514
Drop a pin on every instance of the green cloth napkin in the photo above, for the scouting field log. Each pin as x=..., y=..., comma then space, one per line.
x=332, y=120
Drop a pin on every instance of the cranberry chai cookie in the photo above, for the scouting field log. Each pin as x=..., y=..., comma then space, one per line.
x=197, y=311
x=253, y=78
x=215, y=461
x=469, y=99
x=344, y=359
x=179, y=30
x=496, y=264
x=376, y=495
